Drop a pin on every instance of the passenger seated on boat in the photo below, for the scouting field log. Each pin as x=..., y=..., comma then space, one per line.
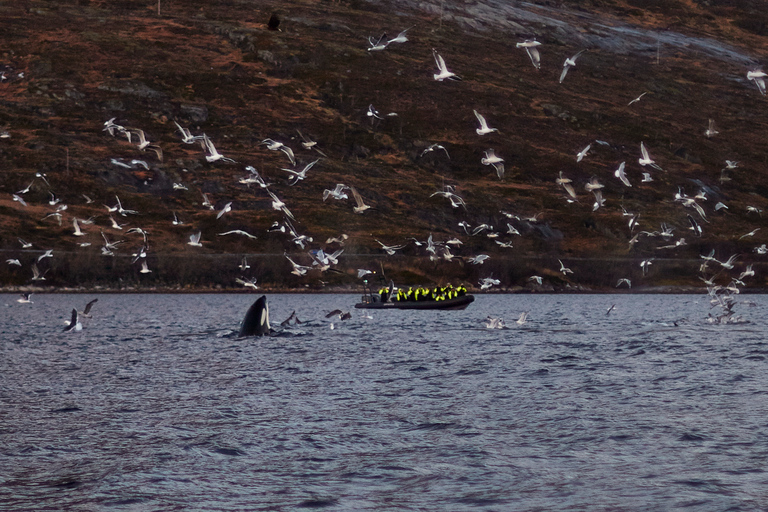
x=461, y=291
x=384, y=294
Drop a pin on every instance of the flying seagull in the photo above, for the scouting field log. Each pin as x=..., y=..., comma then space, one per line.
x=401, y=37
x=619, y=173
x=237, y=232
x=361, y=206
x=711, y=131
x=759, y=78
x=645, y=158
x=530, y=47
x=637, y=99
x=212, y=154
x=568, y=64
x=227, y=208
x=434, y=147
x=443, y=70
x=484, y=129
x=496, y=161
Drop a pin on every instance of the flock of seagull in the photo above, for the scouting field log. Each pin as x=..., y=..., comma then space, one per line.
x=326, y=258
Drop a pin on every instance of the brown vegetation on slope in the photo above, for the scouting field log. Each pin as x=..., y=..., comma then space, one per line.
x=217, y=69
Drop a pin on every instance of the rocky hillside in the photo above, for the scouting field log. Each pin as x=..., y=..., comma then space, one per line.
x=327, y=73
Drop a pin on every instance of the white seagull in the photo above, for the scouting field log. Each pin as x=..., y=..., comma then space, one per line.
x=278, y=204
x=758, y=77
x=497, y=162
x=297, y=176
x=186, y=135
x=619, y=173
x=530, y=47
x=443, y=70
x=194, y=239
x=484, y=129
x=361, y=206
x=711, y=131
x=227, y=208
x=568, y=64
x=645, y=158
x=274, y=145
x=238, y=232
x=212, y=154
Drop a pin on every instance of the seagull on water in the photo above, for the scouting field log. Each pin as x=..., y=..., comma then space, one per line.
x=443, y=70
x=568, y=64
x=530, y=47
x=26, y=298
x=484, y=129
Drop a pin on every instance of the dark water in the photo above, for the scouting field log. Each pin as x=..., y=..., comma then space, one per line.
x=155, y=407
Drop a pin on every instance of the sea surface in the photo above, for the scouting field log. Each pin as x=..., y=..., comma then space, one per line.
x=156, y=405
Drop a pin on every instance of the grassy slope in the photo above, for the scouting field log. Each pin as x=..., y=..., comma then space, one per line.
x=215, y=68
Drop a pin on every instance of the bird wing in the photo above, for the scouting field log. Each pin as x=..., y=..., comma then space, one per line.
x=441, y=64
x=89, y=306
x=357, y=196
x=533, y=53
x=72, y=322
x=565, y=71
x=483, y=123
x=644, y=152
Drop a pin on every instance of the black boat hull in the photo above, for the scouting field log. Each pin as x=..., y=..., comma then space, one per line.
x=448, y=304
